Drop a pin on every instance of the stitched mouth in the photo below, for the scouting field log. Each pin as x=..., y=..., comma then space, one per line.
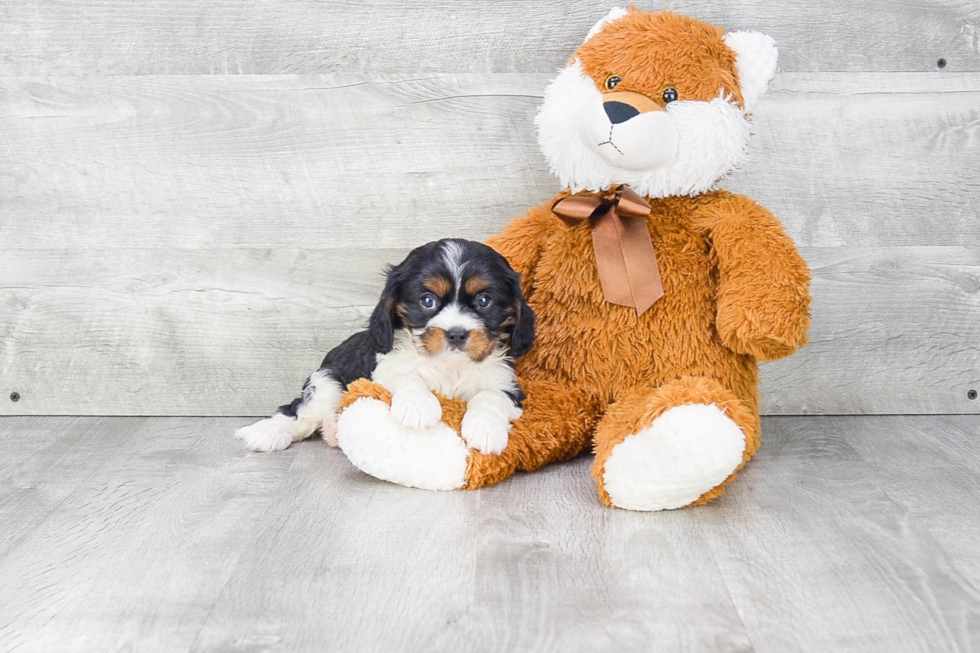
x=609, y=141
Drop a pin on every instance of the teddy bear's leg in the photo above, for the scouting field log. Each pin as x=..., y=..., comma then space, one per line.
x=556, y=424
x=377, y=444
x=672, y=446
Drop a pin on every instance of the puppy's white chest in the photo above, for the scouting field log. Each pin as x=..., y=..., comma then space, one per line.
x=453, y=376
x=458, y=381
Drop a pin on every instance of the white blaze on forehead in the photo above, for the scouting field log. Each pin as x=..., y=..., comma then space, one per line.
x=452, y=255
x=452, y=316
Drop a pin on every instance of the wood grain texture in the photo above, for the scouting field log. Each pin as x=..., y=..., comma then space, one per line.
x=621, y=583
x=896, y=330
x=142, y=543
x=346, y=161
x=844, y=534
x=44, y=462
x=59, y=37
x=930, y=467
x=349, y=563
x=492, y=570
x=819, y=556
x=190, y=332
x=235, y=332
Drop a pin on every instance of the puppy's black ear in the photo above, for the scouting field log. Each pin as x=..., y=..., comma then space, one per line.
x=522, y=333
x=383, y=321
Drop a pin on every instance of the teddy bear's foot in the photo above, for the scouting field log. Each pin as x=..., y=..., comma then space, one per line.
x=672, y=447
x=431, y=459
x=556, y=424
x=685, y=452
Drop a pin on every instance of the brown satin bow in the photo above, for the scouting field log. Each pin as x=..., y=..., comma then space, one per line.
x=624, y=253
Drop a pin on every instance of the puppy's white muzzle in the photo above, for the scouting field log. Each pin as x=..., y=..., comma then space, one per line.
x=645, y=142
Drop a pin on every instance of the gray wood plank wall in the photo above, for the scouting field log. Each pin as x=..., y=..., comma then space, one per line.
x=195, y=199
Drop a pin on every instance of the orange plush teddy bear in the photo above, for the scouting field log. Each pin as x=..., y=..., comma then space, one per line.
x=655, y=292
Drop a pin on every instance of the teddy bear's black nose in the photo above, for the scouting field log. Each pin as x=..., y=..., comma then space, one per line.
x=619, y=112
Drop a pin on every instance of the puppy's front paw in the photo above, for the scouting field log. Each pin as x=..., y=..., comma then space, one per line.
x=484, y=431
x=416, y=409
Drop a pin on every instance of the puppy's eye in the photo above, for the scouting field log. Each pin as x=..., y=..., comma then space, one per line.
x=612, y=81
x=428, y=301
x=483, y=301
x=669, y=95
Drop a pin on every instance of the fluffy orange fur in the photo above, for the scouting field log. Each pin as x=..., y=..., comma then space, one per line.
x=652, y=52
x=736, y=290
x=552, y=413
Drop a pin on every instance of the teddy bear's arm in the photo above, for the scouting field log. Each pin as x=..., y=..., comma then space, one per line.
x=521, y=241
x=763, y=290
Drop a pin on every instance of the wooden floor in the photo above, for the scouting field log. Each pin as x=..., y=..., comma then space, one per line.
x=161, y=534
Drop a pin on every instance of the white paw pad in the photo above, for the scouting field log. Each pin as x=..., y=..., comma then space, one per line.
x=272, y=434
x=416, y=409
x=687, y=451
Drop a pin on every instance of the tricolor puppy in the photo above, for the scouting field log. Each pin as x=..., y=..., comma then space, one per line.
x=451, y=320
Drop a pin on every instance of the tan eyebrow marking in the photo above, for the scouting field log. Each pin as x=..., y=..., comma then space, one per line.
x=439, y=285
x=476, y=284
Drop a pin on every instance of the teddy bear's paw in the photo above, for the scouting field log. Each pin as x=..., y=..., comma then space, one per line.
x=431, y=459
x=684, y=453
x=416, y=409
x=770, y=348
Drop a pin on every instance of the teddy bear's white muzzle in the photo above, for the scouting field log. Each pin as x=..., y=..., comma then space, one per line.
x=645, y=142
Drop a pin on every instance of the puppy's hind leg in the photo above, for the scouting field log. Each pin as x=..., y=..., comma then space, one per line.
x=315, y=409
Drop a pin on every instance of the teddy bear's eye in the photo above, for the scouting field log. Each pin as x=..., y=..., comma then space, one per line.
x=612, y=81
x=669, y=95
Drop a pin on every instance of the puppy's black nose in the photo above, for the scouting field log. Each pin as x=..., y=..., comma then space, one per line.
x=456, y=337
x=619, y=112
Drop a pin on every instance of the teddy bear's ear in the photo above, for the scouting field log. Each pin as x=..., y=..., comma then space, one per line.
x=614, y=14
x=755, y=59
